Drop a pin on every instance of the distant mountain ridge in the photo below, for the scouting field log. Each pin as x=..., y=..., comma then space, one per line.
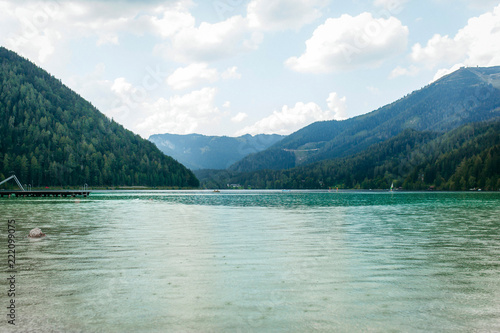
x=465, y=96
x=50, y=136
x=197, y=151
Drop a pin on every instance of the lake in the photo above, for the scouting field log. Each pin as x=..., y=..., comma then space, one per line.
x=255, y=261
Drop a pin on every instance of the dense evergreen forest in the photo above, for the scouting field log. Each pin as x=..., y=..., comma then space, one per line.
x=465, y=158
x=465, y=96
x=50, y=136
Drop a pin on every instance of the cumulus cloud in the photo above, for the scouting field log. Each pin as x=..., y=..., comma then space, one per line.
x=137, y=108
x=127, y=100
x=438, y=48
x=180, y=114
x=172, y=20
x=445, y=71
x=480, y=4
x=31, y=27
x=239, y=117
x=40, y=29
x=199, y=73
x=287, y=120
x=393, y=6
x=94, y=87
x=210, y=41
x=186, y=77
x=401, y=71
x=475, y=44
x=118, y=99
x=337, y=105
x=351, y=42
x=283, y=14
x=231, y=73
x=291, y=119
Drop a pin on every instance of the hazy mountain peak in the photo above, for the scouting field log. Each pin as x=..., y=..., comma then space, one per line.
x=198, y=151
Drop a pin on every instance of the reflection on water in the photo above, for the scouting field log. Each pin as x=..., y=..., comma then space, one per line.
x=248, y=261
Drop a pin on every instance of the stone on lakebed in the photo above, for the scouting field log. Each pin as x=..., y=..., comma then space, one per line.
x=36, y=233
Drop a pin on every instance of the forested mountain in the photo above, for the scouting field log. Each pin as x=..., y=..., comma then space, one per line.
x=197, y=151
x=465, y=96
x=467, y=157
x=50, y=136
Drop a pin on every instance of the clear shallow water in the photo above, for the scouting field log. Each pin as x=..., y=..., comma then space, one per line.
x=250, y=261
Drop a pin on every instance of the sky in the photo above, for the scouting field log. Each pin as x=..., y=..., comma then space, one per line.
x=235, y=67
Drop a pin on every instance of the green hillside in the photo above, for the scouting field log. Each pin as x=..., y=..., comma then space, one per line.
x=465, y=96
x=50, y=136
x=467, y=157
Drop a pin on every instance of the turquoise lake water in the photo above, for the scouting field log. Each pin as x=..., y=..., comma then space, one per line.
x=255, y=261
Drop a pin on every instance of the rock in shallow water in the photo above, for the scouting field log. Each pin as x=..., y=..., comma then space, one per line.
x=36, y=233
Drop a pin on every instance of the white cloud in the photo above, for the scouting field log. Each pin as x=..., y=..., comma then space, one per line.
x=210, y=42
x=291, y=119
x=479, y=4
x=475, y=44
x=43, y=26
x=288, y=120
x=108, y=39
x=136, y=108
x=173, y=20
x=283, y=14
x=121, y=86
x=199, y=73
x=351, y=42
x=180, y=114
x=118, y=99
x=401, y=71
x=94, y=87
x=337, y=105
x=239, y=117
x=127, y=102
x=192, y=75
x=393, y=6
x=31, y=27
x=40, y=29
x=231, y=73
x=438, y=48
x=445, y=71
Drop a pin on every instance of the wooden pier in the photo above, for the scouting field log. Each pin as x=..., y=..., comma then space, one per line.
x=46, y=193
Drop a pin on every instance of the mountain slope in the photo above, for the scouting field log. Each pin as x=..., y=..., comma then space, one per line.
x=465, y=96
x=51, y=136
x=197, y=151
x=467, y=157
